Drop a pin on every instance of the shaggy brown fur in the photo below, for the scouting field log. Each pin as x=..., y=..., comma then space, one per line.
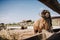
x=43, y=23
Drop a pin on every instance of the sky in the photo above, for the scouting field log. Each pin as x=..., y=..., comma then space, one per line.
x=12, y=11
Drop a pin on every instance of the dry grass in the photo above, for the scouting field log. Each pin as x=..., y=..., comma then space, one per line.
x=19, y=34
x=15, y=34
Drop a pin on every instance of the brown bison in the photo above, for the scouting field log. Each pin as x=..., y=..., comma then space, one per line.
x=44, y=23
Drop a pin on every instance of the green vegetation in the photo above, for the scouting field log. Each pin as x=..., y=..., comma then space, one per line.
x=23, y=23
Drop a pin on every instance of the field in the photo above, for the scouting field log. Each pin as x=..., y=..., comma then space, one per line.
x=15, y=34
x=19, y=34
